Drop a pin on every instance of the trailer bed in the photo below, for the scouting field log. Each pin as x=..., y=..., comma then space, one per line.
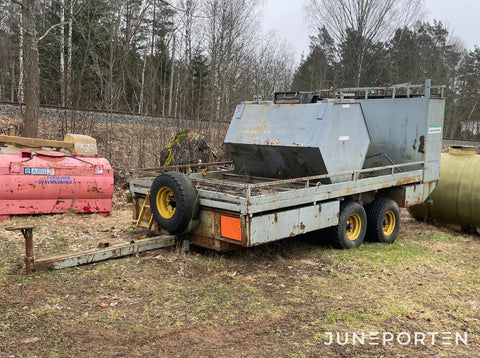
x=249, y=196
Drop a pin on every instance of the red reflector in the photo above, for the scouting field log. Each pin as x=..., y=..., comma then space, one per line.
x=230, y=228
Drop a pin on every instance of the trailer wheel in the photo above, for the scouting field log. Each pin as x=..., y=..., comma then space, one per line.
x=383, y=217
x=173, y=201
x=352, y=226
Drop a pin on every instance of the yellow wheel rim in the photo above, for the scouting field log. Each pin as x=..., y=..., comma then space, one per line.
x=166, y=202
x=354, y=227
x=389, y=221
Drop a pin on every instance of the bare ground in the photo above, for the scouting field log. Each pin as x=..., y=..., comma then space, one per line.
x=277, y=300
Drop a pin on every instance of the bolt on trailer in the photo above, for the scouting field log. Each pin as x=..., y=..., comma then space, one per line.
x=344, y=160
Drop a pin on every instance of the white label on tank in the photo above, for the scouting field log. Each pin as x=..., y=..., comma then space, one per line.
x=39, y=171
x=345, y=106
x=343, y=138
x=433, y=130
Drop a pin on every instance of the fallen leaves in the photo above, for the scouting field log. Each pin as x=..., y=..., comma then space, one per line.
x=412, y=315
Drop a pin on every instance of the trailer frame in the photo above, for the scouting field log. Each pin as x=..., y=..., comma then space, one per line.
x=236, y=210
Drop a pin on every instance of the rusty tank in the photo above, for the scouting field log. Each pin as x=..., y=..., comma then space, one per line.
x=40, y=176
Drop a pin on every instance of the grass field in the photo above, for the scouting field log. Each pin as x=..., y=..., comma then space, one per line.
x=277, y=300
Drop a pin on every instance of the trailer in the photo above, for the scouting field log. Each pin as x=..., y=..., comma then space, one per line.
x=342, y=160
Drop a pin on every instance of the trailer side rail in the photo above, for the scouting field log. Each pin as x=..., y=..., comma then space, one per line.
x=252, y=198
x=400, y=90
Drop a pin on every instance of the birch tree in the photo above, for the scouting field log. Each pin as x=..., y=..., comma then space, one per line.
x=229, y=28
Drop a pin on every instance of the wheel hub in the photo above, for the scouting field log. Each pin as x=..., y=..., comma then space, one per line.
x=353, y=227
x=166, y=202
x=388, y=224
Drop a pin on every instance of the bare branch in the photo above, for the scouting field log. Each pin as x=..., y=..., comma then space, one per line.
x=18, y=2
x=376, y=20
x=51, y=28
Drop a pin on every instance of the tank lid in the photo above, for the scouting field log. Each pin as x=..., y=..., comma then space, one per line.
x=50, y=153
x=462, y=150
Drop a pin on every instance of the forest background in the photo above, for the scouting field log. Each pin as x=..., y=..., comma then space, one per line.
x=193, y=61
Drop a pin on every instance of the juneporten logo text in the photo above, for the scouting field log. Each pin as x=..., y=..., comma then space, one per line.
x=402, y=338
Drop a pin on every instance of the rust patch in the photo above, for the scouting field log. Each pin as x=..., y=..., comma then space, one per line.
x=421, y=147
x=350, y=191
x=414, y=146
x=272, y=142
x=93, y=189
x=302, y=227
x=216, y=224
x=213, y=244
x=403, y=182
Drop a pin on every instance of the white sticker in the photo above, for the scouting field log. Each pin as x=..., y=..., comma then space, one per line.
x=434, y=130
x=345, y=106
x=343, y=138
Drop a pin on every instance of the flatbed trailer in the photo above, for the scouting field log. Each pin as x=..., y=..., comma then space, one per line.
x=224, y=210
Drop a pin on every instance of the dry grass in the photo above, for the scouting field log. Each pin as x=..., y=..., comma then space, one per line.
x=277, y=300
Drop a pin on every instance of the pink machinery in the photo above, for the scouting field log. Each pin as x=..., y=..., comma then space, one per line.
x=44, y=176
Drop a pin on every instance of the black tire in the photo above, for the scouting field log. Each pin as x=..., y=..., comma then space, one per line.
x=173, y=201
x=383, y=217
x=352, y=226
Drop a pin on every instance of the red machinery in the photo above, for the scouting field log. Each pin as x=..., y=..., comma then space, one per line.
x=43, y=176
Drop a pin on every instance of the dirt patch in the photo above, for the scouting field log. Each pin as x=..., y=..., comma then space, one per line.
x=412, y=227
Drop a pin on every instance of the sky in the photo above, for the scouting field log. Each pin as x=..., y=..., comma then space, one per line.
x=286, y=18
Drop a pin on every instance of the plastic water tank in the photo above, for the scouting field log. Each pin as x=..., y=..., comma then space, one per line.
x=455, y=199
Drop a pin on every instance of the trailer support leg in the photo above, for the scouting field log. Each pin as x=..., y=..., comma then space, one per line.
x=27, y=232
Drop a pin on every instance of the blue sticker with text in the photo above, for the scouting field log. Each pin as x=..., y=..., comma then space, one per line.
x=52, y=179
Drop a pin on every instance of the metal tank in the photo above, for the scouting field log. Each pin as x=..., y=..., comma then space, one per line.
x=42, y=176
x=288, y=139
x=455, y=201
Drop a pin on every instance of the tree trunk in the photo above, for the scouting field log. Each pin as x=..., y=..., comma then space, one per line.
x=62, y=53
x=32, y=72
x=68, y=77
x=13, y=85
x=142, y=85
x=20, y=92
x=172, y=70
